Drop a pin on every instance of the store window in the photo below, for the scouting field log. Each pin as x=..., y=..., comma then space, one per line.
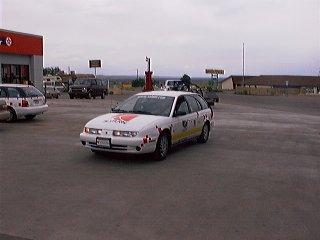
x=15, y=74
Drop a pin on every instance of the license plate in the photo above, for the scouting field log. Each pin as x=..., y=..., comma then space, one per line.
x=103, y=142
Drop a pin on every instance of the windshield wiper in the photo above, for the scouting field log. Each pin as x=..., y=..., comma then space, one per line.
x=141, y=112
x=118, y=111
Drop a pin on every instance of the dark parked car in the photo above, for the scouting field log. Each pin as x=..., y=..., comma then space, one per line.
x=87, y=88
x=211, y=97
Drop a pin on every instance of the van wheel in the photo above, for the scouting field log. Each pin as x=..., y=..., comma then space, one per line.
x=13, y=115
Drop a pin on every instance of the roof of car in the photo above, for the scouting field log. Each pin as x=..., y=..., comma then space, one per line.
x=167, y=93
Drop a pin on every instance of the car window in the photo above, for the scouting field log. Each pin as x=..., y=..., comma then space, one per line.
x=2, y=93
x=82, y=81
x=182, y=105
x=93, y=82
x=193, y=104
x=13, y=92
x=32, y=92
x=59, y=84
x=48, y=83
x=203, y=102
x=99, y=83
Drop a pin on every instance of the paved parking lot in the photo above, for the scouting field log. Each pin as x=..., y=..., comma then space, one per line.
x=258, y=177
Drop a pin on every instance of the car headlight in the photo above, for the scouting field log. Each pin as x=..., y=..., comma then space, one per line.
x=92, y=130
x=124, y=133
x=84, y=89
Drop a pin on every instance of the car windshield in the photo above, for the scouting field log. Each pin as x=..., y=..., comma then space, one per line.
x=146, y=104
x=32, y=92
x=59, y=84
x=82, y=82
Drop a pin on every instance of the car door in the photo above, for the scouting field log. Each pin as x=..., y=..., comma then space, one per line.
x=94, y=88
x=182, y=122
x=195, y=115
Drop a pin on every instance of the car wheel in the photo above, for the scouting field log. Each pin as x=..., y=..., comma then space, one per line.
x=29, y=117
x=89, y=95
x=13, y=115
x=204, y=136
x=103, y=95
x=71, y=97
x=162, y=147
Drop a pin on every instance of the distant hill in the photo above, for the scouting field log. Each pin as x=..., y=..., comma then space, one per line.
x=128, y=78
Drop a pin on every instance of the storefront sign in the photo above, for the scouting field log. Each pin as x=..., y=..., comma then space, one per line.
x=6, y=41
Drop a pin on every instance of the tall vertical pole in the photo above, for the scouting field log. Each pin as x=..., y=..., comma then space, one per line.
x=242, y=67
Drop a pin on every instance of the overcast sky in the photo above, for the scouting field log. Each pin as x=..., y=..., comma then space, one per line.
x=180, y=36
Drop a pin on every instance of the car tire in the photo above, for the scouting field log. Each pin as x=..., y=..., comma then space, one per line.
x=13, y=115
x=162, y=148
x=71, y=97
x=103, y=95
x=204, y=136
x=89, y=95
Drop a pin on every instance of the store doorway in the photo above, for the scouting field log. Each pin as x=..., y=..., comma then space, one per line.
x=18, y=74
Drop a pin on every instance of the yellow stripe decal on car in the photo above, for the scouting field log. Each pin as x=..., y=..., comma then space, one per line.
x=185, y=134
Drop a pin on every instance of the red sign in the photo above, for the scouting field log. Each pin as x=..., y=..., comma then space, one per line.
x=20, y=43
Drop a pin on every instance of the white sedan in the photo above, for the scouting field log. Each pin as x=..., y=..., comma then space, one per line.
x=150, y=122
x=22, y=101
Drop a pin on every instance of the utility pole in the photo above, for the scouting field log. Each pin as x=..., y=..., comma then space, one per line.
x=243, y=68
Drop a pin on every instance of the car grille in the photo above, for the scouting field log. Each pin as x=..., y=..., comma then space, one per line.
x=113, y=147
x=76, y=90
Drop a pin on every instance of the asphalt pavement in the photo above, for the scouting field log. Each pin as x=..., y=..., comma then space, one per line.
x=257, y=177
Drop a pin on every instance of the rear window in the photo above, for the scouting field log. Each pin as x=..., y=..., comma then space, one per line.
x=32, y=92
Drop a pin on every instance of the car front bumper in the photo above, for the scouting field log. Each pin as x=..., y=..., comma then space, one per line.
x=132, y=145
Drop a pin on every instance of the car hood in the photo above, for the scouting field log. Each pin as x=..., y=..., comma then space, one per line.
x=124, y=121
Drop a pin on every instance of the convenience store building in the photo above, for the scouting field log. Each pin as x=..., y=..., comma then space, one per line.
x=21, y=58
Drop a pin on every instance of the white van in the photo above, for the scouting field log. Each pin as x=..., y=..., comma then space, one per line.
x=172, y=85
x=53, y=86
